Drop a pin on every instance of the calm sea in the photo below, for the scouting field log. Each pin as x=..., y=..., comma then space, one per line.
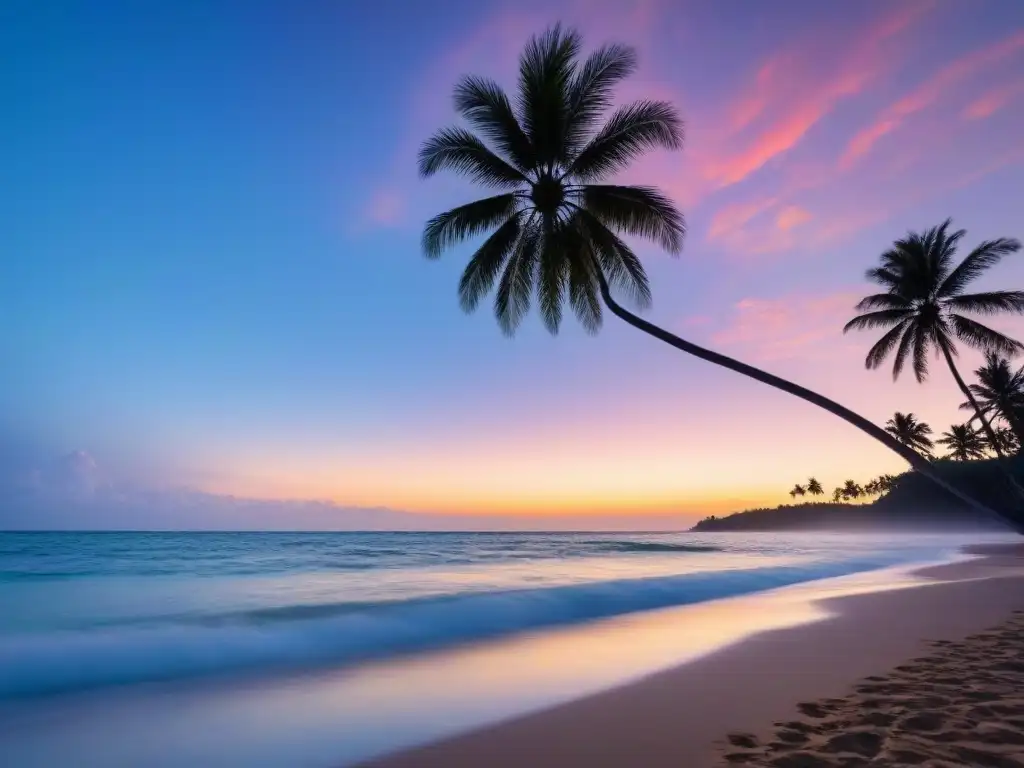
x=89, y=610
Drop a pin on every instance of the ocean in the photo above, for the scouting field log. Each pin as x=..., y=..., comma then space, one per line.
x=133, y=620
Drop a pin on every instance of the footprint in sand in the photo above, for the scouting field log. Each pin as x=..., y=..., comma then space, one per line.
x=961, y=706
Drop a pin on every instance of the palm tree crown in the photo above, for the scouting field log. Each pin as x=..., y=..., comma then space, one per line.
x=814, y=487
x=912, y=433
x=1000, y=392
x=925, y=306
x=852, y=490
x=554, y=228
x=963, y=443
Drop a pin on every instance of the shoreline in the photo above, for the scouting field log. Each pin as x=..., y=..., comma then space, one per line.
x=682, y=716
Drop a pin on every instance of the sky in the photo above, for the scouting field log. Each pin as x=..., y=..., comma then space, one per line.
x=212, y=293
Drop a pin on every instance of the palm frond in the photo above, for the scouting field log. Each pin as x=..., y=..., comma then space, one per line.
x=883, y=318
x=486, y=107
x=982, y=337
x=512, y=299
x=903, y=352
x=943, y=249
x=977, y=261
x=885, y=276
x=584, y=291
x=882, y=347
x=451, y=227
x=458, y=150
x=546, y=67
x=922, y=341
x=631, y=131
x=988, y=303
x=621, y=266
x=590, y=92
x=638, y=211
x=552, y=277
x=482, y=269
x=882, y=301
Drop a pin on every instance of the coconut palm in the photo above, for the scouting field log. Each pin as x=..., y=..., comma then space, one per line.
x=553, y=229
x=912, y=433
x=814, y=487
x=999, y=393
x=925, y=306
x=852, y=490
x=885, y=483
x=798, y=490
x=837, y=495
x=963, y=443
x=871, y=488
x=1006, y=442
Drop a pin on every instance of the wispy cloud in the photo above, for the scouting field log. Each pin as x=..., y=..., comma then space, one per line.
x=928, y=93
x=993, y=100
x=787, y=327
x=735, y=216
x=792, y=216
x=799, y=109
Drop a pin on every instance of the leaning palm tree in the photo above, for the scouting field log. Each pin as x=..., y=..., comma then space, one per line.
x=925, y=307
x=552, y=228
x=999, y=393
x=963, y=443
x=912, y=433
x=814, y=487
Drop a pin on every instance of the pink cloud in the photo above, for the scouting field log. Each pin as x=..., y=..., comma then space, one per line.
x=929, y=92
x=735, y=216
x=993, y=100
x=805, y=106
x=792, y=216
x=788, y=327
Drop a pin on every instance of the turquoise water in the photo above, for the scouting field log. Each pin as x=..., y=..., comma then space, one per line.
x=90, y=610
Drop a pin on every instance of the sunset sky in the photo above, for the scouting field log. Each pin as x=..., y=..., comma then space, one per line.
x=212, y=281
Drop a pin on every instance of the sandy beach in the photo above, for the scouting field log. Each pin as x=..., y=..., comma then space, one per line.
x=928, y=675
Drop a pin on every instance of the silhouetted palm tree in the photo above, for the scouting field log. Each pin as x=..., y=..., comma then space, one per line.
x=851, y=490
x=963, y=443
x=885, y=483
x=912, y=433
x=925, y=307
x=552, y=229
x=999, y=393
x=1006, y=442
x=798, y=490
x=837, y=495
x=814, y=487
x=871, y=488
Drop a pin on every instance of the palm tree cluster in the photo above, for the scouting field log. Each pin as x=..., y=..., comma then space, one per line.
x=926, y=308
x=553, y=232
x=849, y=491
x=999, y=395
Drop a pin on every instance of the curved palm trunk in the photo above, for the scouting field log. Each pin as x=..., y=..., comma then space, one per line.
x=985, y=425
x=915, y=460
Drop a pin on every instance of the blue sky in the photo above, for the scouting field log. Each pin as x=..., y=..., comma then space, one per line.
x=212, y=277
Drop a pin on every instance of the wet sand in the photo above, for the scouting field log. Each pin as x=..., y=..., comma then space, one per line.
x=932, y=675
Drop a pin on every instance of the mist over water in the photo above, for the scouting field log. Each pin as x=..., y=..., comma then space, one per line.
x=88, y=610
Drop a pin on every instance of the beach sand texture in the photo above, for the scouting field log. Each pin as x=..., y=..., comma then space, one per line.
x=906, y=677
x=961, y=705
